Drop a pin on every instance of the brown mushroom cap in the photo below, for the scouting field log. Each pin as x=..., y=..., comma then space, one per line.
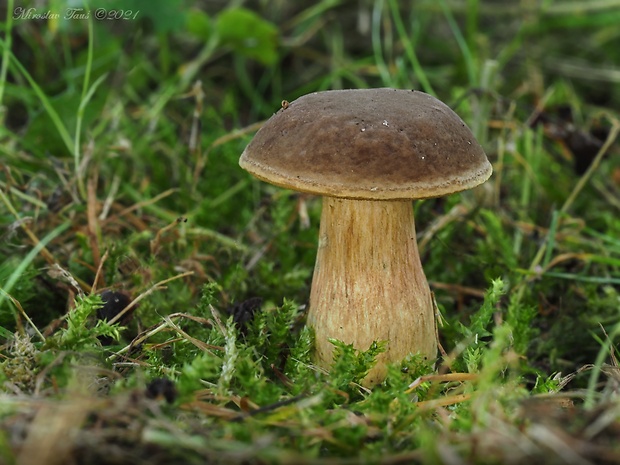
x=383, y=144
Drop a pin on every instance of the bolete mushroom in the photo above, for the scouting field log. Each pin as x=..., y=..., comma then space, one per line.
x=369, y=153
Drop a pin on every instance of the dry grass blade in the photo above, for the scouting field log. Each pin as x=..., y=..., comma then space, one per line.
x=611, y=138
x=23, y=313
x=457, y=212
x=51, y=434
x=99, y=271
x=144, y=203
x=49, y=258
x=59, y=273
x=156, y=287
x=164, y=325
x=559, y=444
x=156, y=243
x=93, y=231
x=443, y=402
x=202, y=160
x=447, y=377
x=201, y=345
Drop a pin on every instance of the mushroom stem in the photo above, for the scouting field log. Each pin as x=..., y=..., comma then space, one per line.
x=369, y=284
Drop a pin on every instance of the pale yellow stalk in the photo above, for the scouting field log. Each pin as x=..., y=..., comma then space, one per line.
x=369, y=284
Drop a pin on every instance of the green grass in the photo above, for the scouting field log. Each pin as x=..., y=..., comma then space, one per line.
x=119, y=149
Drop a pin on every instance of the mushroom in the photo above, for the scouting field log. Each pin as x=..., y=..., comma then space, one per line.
x=369, y=153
